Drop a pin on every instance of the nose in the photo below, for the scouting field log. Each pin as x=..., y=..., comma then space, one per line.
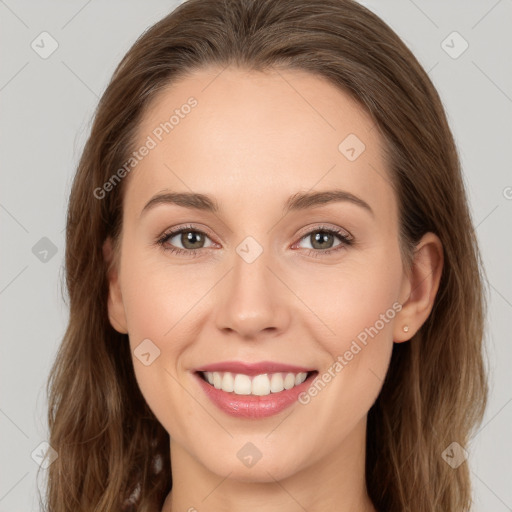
x=253, y=299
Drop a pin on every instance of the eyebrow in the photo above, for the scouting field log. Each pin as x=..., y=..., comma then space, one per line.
x=298, y=202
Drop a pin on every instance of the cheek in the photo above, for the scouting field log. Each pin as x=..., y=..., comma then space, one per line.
x=355, y=300
x=165, y=304
x=155, y=338
x=159, y=298
x=358, y=308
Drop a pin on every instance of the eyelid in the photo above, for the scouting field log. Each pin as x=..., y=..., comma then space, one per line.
x=324, y=226
x=186, y=227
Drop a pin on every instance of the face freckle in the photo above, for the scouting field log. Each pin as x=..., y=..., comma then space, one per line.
x=260, y=167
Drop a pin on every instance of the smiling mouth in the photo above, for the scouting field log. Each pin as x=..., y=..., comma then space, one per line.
x=257, y=385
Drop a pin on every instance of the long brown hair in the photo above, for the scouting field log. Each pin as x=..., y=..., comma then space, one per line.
x=107, y=439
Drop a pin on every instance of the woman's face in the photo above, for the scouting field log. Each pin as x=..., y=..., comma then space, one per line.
x=266, y=283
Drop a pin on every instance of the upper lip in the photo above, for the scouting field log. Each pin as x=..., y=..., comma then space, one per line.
x=252, y=368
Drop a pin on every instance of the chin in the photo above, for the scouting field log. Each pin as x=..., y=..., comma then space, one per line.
x=251, y=464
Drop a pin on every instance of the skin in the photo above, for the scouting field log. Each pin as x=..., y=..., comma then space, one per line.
x=254, y=140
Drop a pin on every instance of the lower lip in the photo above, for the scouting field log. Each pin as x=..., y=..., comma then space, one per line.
x=251, y=406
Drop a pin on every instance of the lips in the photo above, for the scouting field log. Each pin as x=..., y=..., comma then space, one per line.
x=253, y=369
x=251, y=406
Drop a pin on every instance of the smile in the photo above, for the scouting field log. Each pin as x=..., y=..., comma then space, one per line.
x=256, y=396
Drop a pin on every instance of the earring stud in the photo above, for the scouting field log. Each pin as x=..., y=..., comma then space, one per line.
x=406, y=328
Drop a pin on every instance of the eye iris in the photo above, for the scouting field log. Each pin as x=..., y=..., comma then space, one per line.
x=191, y=237
x=321, y=236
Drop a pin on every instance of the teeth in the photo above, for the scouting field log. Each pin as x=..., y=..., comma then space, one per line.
x=276, y=383
x=259, y=385
x=242, y=384
x=228, y=382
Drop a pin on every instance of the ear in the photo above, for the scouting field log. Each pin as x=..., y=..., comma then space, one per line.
x=419, y=288
x=116, y=311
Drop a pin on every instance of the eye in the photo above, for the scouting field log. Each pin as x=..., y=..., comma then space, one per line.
x=322, y=238
x=191, y=239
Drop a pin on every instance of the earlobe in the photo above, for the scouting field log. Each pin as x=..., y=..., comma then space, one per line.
x=116, y=311
x=423, y=284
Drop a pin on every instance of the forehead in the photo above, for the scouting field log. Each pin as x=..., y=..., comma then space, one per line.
x=242, y=136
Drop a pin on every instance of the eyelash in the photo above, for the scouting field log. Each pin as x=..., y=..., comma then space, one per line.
x=345, y=241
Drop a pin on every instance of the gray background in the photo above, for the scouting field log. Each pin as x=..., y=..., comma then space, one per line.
x=47, y=105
